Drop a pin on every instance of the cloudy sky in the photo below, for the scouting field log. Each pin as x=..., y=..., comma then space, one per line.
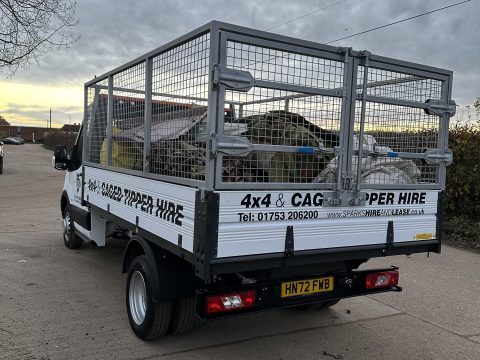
x=112, y=32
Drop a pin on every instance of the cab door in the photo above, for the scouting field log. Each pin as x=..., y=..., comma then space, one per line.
x=74, y=178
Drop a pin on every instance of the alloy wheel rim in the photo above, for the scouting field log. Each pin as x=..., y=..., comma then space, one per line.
x=137, y=295
x=66, y=227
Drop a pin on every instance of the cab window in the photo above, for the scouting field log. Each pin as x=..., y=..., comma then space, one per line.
x=76, y=155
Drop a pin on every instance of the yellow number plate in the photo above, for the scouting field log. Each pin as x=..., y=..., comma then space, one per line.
x=307, y=287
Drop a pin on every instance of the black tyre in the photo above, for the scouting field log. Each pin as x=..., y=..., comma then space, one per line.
x=1, y=165
x=148, y=320
x=183, y=318
x=318, y=306
x=70, y=238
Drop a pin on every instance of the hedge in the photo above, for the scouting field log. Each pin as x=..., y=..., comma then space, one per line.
x=462, y=193
x=53, y=139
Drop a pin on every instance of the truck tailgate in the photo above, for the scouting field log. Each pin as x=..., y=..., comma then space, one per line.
x=261, y=222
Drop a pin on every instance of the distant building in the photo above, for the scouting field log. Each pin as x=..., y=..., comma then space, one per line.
x=30, y=133
x=70, y=128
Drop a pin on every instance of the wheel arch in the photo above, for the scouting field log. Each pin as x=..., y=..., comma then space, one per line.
x=136, y=246
x=64, y=201
x=172, y=277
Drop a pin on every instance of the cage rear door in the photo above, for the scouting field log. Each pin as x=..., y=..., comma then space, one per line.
x=325, y=147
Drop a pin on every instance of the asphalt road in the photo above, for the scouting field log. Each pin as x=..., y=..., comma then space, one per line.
x=57, y=303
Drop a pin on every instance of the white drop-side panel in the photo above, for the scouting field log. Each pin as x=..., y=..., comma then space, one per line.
x=256, y=222
x=166, y=210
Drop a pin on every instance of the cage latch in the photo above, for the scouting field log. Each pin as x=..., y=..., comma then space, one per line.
x=437, y=156
x=438, y=107
x=336, y=150
x=233, y=79
x=230, y=145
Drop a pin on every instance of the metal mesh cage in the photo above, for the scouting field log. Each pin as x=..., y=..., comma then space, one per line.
x=282, y=118
x=294, y=105
x=403, y=129
x=390, y=128
x=399, y=86
x=285, y=67
x=96, y=115
x=177, y=103
x=128, y=117
x=179, y=106
x=295, y=121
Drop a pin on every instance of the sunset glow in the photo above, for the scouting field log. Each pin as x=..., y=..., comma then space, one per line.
x=29, y=105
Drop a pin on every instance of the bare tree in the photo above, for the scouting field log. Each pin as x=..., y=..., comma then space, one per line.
x=30, y=28
x=3, y=121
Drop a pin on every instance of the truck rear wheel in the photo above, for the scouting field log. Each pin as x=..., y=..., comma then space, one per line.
x=148, y=320
x=70, y=238
x=183, y=318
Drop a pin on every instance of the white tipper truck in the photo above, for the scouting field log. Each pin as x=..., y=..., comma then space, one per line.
x=250, y=171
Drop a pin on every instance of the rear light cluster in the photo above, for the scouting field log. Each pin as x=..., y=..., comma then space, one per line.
x=229, y=302
x=382, y=279
x=246, y=299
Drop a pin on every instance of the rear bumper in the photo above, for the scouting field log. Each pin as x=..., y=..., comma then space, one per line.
x=322, y=256
x=268, y=294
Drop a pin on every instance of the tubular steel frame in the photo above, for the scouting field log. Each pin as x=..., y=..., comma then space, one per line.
x=350, y=93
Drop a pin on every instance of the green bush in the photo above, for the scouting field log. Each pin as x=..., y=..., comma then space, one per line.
x=55, y=138
x=462, y=193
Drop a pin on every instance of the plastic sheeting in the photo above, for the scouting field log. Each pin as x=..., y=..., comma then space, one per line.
x=375, y=169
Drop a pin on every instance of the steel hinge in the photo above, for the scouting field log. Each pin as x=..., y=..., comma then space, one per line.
x=347, y=181
x=230, y=145
x=437, y=156
x=360, y=199
x=439, y=107
x=233, y=79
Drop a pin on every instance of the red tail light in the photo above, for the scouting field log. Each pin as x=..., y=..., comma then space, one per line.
x=382, y=279
x=229, y=302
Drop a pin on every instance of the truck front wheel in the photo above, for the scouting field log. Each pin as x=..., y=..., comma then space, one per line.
x=148, y=320
x=70, y=238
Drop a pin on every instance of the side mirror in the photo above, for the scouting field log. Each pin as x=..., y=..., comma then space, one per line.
x=60, y=158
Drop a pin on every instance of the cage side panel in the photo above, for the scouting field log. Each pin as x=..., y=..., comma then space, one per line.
x=96, y=120
x=163, y=209
x=165, y=101
x=256, y=222
x=128, y=104
x=179, y=110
